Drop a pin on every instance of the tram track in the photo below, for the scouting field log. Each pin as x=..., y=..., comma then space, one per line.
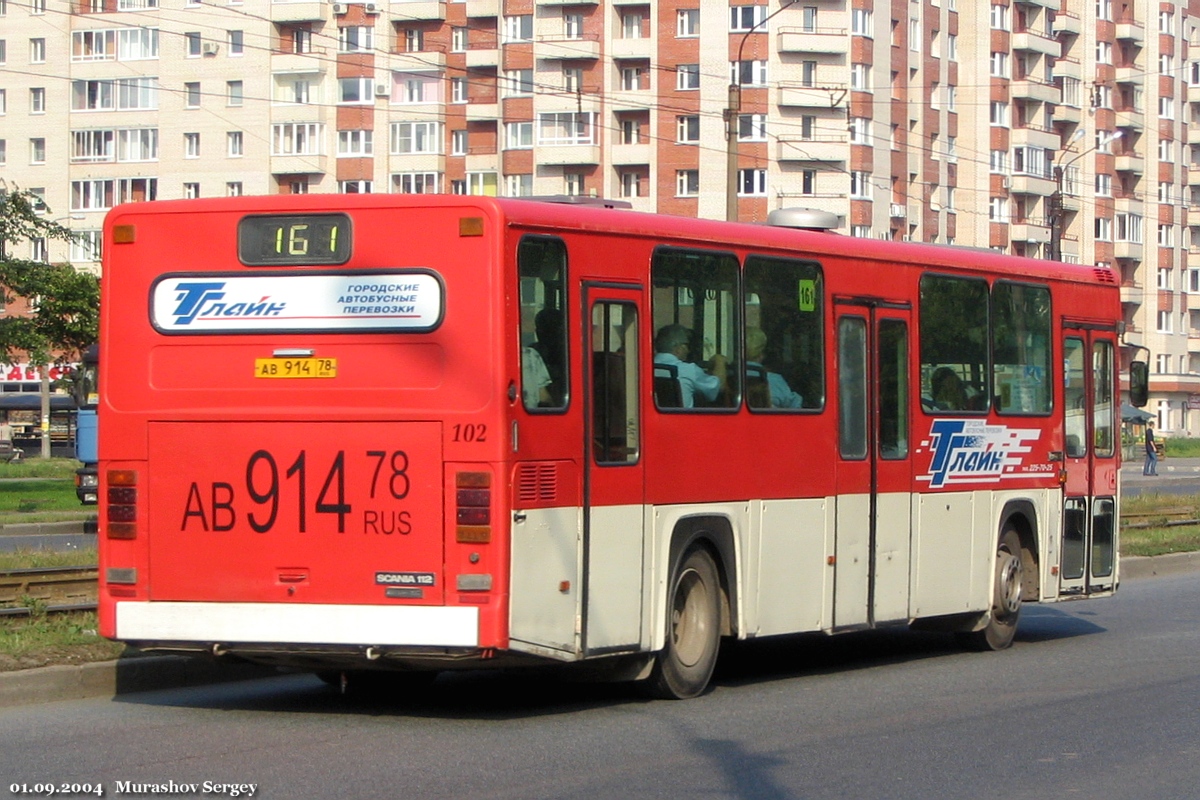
x=47, y=589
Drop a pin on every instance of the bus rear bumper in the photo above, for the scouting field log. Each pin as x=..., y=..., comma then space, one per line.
x=302, y=624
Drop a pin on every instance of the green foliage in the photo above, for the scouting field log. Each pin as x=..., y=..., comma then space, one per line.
x=65, y=304
x=1182, y=448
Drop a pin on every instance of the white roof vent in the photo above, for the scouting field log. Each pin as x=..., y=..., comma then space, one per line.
x=809, y=219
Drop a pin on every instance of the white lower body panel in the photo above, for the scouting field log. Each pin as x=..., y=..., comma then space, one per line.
x=299, y=623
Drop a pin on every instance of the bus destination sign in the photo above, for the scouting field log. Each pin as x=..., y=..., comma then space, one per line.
x=208, y=303
x=294, y=239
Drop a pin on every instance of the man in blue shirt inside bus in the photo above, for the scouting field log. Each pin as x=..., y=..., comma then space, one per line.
x=672, y=346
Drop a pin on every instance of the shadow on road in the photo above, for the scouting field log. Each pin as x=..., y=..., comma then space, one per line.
x=526, y=693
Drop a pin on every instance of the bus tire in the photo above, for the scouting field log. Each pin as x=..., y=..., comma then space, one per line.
x=685, y=665
x=1001, y=625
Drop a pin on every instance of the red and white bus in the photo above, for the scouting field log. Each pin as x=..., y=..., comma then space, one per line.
x=356, y=433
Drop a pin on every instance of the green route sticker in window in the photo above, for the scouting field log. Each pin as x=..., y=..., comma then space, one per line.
x=808, y=294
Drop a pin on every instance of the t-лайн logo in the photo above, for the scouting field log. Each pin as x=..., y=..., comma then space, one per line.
x=197, y=299
x=972, y=451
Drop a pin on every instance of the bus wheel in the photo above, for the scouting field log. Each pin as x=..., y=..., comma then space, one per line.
x=685, y=665
x=1006, y=598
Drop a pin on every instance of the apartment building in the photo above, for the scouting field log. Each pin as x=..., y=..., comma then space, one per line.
x=1048, y=128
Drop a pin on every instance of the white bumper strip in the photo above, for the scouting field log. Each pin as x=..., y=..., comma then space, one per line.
x=299, y=623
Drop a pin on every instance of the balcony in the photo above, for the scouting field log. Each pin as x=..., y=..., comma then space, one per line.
x=1193, y=93
x=1131, y=162
x=416, y=9
x=558, y=48
x=1193, y=134
x=1034, y=136
x=1132, y=119
x=626, y=155
x=813, y=40
x=483, y=8
x=1069, y=202
x=1030, y=230
x=641, y=49
x=1032, y=184
x=794, y=93
x=315, y=61
x=632, y=100
x=898, y=211
x=1067, y=23
x=1036, y=43
x=298, y=11
x=1131, y=31
x=1068, y=68
x=1130, y=251
x=565, y=155
x=829, y=147
x=299, y=164
x=1131, y=293
x=406, y=61
x=1193, y=176
x=1063, y=113
x=1052, y=4
x=1130, y=204
x=1132, y=74
x=483, y=112
x=483, y=57
x=1033, y=89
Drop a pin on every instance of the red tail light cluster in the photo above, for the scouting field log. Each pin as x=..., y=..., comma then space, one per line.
x=473, y=506
x=121, y=515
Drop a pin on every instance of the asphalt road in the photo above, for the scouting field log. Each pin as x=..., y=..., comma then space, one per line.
x=1096, y=699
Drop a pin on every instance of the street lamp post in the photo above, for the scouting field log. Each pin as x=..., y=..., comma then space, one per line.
x=733, y=110
x=1056, y=202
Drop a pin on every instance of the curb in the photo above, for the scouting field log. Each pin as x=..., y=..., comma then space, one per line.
x=120, y=677
x=151, y=673
x=78, y=526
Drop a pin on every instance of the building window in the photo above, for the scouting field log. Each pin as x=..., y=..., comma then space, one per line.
x=37, y=51
x=296, y=139
x=999, y=114
x=860, y=185
x=752, y=127
x=516, y=82
x=860, y=77
x=1102, y=229
x=356, y=39
x=234, y=41
x=566, y=128
x=191, y=191
x=37, y=151
x=233, y=189
x=752, y=182
x=518, y=29
x=458, y=143
x=355, y=144
x=191, y=145
x=998, y=209
x=999, y=65
x=631, y=25
x=573, y=183
x=518, y=135
x=458, y=40
x=233, y=144
x=747, y=18
x=85, y=247
x=687, y=23
x=687, y=129
x=999, y=18
x=860, y=22
x=416, y=183
x=748, y=73
x=415, y=137
x=191, y=95
x=518, y=185
x=192, y=42
x=458, y=90
x=37, y=100
x=687, y=183
x=687, y=76
x=631, y=183
x=414, y=40
x=354, y=187
x=358, y=91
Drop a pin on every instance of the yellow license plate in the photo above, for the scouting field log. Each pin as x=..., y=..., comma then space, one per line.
x=295, y=367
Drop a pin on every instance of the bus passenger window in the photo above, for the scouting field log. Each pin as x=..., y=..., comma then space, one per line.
x=785, y=335
x=696, y=323
x=1021, y=348
x=954, y=345
x=542, y=263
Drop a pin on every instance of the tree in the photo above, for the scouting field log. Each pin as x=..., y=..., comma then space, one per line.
x=64, y=304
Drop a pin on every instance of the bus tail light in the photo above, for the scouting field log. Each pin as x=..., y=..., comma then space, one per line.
x=473, y=506
x=121, y=515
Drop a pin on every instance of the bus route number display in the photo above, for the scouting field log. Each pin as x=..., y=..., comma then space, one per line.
x=294, y=239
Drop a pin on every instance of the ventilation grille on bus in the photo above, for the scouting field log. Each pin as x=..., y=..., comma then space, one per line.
x=537, y=483
x=1105, y=275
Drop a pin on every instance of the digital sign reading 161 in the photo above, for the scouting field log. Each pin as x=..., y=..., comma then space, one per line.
x=294, y=239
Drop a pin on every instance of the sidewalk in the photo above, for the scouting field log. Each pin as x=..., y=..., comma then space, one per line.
x=1170, y=470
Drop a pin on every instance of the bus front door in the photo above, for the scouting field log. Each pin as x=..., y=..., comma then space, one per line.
x=874, y=468
x=1087, y=554
x=614, y=489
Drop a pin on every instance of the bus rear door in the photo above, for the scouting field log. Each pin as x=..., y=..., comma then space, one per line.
x=1088, y=551
x=874, y=482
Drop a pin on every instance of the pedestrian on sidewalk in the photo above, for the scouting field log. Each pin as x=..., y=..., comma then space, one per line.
x=1151, y=465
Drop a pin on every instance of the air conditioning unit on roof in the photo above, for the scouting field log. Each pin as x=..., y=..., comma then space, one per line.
x=339, y=8
x=371, y=8
x=382, y=90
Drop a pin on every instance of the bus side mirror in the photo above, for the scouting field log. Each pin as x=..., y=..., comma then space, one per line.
x=1139, y=384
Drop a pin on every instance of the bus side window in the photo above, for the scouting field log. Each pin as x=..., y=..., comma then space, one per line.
x=696, y=329
x=542, y=265
x=785, y=335
x=954, y=345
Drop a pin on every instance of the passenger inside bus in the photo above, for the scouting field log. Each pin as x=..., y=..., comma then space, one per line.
x=535, y=379
x=550, y=345
x=672, y=346
x=777, y=392
x=946, y=391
